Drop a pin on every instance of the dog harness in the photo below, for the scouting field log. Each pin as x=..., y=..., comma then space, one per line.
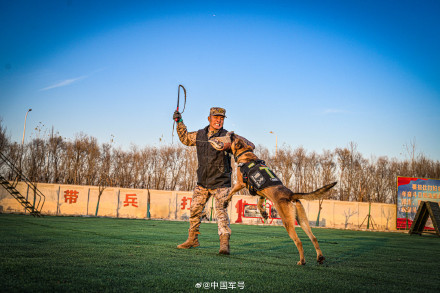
x=257, y=176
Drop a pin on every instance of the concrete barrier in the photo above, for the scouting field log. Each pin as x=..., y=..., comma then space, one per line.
x=75, y=200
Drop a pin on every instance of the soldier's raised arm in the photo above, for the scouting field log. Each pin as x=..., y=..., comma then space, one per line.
x=187, y=138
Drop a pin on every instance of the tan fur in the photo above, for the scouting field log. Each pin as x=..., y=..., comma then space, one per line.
x=286, y=202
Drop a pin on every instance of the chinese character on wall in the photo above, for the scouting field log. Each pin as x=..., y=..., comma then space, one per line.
x=131, y=199
x=70, y=196
x=185, y=203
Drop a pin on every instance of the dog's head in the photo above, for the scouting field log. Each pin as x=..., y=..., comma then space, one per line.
x=231, y=141
x=240, y=144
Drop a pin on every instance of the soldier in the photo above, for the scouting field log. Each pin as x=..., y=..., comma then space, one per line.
x=213, y=177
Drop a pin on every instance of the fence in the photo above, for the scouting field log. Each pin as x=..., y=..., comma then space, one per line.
x=75, y=200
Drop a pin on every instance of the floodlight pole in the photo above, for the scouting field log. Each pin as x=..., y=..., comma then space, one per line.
x=22, y=140
x=276, y=142
x=24, y=129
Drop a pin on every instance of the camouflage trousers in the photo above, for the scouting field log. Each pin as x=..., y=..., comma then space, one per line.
x=198, y=202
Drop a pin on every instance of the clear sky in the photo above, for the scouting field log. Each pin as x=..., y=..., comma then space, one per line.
x=319, y=74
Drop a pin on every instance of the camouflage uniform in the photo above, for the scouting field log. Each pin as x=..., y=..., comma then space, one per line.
x=198, y=202
x=187, y=138
x=201, y=194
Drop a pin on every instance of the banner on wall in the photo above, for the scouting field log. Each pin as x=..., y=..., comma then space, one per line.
x=410, y=192
x=247, y=210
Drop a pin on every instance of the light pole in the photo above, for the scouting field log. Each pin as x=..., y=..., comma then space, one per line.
x=276, y=142
x=22, y=141
x=24, y=130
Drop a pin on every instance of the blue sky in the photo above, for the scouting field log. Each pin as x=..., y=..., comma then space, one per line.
x=319, y=74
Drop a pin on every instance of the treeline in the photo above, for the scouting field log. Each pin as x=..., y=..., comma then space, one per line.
x=83, y=161
x=359, y=178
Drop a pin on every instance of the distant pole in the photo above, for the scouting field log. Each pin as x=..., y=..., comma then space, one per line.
x=369, y=213
x=22, y=140
x=276, y=142
x=24, y=129
x=148, y=204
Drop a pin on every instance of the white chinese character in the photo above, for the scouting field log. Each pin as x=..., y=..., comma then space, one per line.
x=214, y=285
x=241, y=284
x=223, y=285
x=206, y=285
x=232, y=285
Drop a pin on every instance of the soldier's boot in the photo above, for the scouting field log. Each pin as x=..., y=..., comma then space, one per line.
x=192, y=241
x=224, y=244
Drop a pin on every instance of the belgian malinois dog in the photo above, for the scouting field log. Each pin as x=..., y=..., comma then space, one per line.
x=286, y=202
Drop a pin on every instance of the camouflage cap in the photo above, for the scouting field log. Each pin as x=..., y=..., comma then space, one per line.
x=217, y=111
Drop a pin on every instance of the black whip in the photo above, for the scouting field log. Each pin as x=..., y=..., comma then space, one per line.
x=178, y=104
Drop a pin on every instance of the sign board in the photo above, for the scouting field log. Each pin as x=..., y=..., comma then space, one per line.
x=410, y=193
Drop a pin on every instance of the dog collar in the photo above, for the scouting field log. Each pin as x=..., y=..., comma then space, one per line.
x=236, y=157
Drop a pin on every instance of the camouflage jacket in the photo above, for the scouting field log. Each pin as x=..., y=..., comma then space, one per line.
x=189, y=138
x=214, y=167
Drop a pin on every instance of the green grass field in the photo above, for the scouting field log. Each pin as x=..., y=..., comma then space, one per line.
x=104, y=255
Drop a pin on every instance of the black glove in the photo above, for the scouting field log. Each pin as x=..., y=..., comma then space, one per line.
x=177, y=116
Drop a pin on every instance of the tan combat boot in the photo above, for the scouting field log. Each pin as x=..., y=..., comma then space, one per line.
x=192, y=241
x=224, y=244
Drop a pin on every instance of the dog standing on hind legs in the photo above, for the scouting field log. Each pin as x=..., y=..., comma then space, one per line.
x=253, y=174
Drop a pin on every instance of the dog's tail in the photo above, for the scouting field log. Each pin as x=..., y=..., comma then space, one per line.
x=317, y=194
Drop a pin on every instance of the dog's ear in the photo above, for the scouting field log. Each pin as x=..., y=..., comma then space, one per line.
x=231, y=134
x=238, y=143
x=242, y=142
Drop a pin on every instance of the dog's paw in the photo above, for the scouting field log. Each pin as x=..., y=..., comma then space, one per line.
x=225, y=204
x=265, y=215
x=320, y=259
x=302, y=262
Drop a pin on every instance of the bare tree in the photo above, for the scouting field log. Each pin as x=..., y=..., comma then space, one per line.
x=343, y=156
x=35, y=160
x=327, y=168
x=144, y=158
x=299, y=162
x=52, y=159
x=188, y=174
x=312, y=171
x=4, y=140
x=103, y=183
x=55, y=148
x=105, y=161
x=411, y=153
x=350, y=166
x=380, y=183
x=172, y=158
x=123, y=168
x=283, y=164
x=92, y=161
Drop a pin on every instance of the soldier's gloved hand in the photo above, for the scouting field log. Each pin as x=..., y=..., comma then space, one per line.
x=177, y=116
x=225, y=204
x=265, y=215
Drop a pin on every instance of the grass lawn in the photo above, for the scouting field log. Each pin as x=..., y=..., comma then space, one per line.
x=104, y=255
